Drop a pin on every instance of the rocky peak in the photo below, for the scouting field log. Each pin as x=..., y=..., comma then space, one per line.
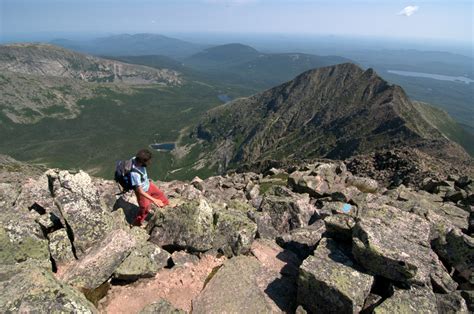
x=333, y=112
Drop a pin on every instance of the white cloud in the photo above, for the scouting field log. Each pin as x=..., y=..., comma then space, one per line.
x=409, y=10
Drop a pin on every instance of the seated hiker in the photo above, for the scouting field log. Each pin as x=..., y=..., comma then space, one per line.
x=146, y=191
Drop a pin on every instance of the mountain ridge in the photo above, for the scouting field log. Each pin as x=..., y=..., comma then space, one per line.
x=333, y=112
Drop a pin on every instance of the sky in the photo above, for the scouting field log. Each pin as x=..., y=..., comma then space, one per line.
x=434, y=19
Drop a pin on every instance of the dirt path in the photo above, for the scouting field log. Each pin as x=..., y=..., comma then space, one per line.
x=179, y=285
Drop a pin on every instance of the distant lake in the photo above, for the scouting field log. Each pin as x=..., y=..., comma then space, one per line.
x=163, y=146
x=224, y=97
x=434, y=76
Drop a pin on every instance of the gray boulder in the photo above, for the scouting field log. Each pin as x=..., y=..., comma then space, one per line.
x=457, y=249
x=365, y=185
x=451, y=303
x=330, y=282
x=340, y=226
x=302, y=241
x=395, y=244
x=90, y=273
x=27, y=288
x=414, y=300
x=181, y=258
x=144, y=261
x=187, y=226
x=81, y=207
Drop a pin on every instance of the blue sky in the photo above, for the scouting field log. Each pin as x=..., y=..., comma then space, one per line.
x=437, y=19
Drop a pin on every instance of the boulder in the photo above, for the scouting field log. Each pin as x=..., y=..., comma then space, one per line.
x=80, y=205
x=28, y=288
x=340, y=226
x=161, y=307
x=318, y=180
x=365, y=185
x=21, y=239
x=60, y=247
x=414, y=300
x=395, y=244
x=144, y=261
x=234, y=232
x=451, y=303
x=288, y=212
x=181, y=258
x=275, y=258
x=330, y=282
x=457, y=250
x=188, y=226
x=89, y=273
x=302, y=241
x=234, y=289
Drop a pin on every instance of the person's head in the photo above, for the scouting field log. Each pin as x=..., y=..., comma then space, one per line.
x=143, y=157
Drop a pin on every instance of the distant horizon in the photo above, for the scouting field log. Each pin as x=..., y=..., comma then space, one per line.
x=252, y=39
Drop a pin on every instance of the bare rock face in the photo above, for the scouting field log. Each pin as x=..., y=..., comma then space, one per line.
x=331, y=282
x=162, y=307
x=27, y=288
x=303, y=241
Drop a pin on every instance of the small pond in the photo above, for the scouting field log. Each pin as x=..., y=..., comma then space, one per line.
x=163, y=147
x=224, y=97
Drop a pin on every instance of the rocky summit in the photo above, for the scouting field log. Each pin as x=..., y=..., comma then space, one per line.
x=310, y=238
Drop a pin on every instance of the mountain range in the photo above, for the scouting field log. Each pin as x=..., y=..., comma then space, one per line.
x=136, y=44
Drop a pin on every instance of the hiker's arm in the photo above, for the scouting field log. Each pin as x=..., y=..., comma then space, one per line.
x=139, y=191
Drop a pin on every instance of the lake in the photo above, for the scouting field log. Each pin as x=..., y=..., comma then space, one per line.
x=440, y=77
x=163, y=146
x=224, y=97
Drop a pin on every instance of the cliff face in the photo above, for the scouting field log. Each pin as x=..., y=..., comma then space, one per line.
x=333, y=112
x=313, y=235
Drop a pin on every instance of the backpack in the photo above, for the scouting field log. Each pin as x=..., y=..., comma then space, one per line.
x=123, y=171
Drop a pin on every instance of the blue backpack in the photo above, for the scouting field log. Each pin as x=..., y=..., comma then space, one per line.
x=123, y=171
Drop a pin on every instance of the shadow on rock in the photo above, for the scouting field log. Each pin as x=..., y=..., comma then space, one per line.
x=130, y=210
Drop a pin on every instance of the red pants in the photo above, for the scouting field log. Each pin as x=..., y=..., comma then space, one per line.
x=145, y=203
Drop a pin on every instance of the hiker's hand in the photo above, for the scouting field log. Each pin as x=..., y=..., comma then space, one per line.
x=159, y=203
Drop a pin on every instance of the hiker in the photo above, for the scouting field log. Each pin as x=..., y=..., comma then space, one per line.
x=146, y=191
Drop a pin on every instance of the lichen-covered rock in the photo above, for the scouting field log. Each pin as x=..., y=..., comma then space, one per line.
x=19, y=241
x=27, y=288
x=233, y=289
x=395, y=244
x=161, y=307
x=330, y=282
x=187, y=226
x=451, y=303
x=144, y=261
x=414, y=300
x=288, y=212
x=82, y=208
x=97, y=266
x=302, y=241
x=457, y=249
x=60, y=247
x=234, y=232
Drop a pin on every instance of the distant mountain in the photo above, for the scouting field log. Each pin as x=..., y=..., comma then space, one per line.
x=333, y=112
x=133, y=45
x=39, y=80
x=244, y=65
